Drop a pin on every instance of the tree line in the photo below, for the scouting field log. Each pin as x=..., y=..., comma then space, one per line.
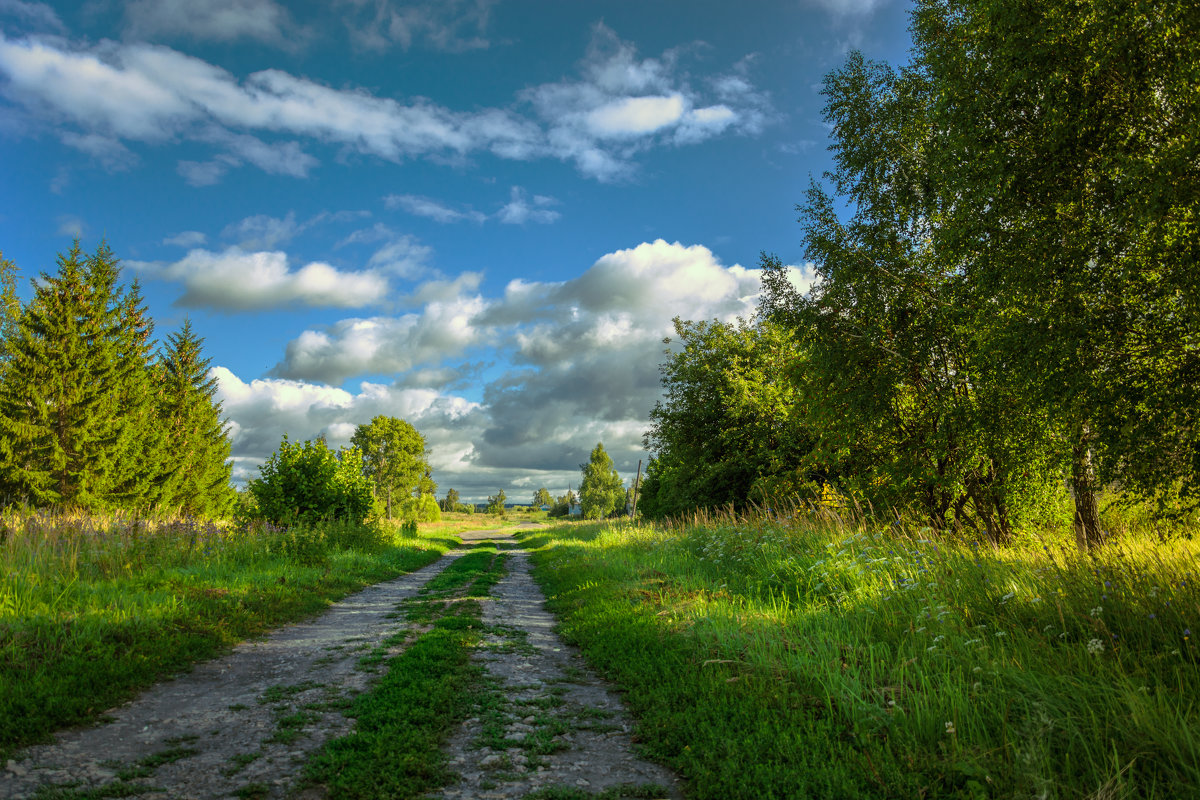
x=94, y=412
x=1007, y=301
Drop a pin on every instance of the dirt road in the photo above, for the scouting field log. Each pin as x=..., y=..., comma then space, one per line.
x=242, y=725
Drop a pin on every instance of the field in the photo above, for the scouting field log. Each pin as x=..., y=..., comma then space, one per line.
x=813, y=657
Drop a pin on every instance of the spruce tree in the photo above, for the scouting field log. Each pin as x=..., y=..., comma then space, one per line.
x=58, y=410
x=140, y=435
x=195, y=466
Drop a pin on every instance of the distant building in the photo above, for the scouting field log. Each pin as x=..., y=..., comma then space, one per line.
x=544, y=508
x=576, y=509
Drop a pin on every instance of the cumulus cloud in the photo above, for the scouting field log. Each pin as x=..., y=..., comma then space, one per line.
x=261, y=411
x=217, y=20
x=619, y=106
x=383, y=345
x=581, y=357
x=238, y=280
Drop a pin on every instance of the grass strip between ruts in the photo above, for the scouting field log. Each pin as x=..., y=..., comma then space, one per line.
x=428, y=689
x=69, y=669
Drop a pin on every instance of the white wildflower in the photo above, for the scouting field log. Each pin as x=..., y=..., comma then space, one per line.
x=1095, y=647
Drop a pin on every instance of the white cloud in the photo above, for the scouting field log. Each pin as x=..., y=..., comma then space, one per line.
x=112, y=155
x=383, y=345
x=237, y=280
x=850, y=8
x=219, y=20
x=421, y=206
x=143, y=92
x=403, y=256
x=635, y=116
x=37, y=15
x=71, y=225
x=262, y=231
x=520, y=210
x=624, y=104
x=186, y=239
x=449, y=25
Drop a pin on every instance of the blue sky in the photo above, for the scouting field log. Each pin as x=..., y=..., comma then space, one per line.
x=478, y=216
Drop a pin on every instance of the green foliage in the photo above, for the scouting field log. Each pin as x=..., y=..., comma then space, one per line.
x=731, y=414
x=421, y=509
x=89, y=416
x=451, y=501
x=542, y=498
x=821, y=657
x=496, y=503
x=309, y=481
x=393, y=454
x=195, y=467
x=600, y=492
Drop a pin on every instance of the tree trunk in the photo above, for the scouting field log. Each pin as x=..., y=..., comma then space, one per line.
x=1083, y=478
x=389, y=504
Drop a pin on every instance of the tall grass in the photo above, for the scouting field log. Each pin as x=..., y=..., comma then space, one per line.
x=93, y=607
x=855, y=659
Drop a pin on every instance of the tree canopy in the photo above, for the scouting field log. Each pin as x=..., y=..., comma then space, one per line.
x=394, y=458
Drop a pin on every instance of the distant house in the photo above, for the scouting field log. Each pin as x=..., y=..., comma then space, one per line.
x=544, y=508
x=576, y=509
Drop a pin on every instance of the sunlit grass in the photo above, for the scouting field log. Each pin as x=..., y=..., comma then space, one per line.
x=849, y=659
x=93, y=607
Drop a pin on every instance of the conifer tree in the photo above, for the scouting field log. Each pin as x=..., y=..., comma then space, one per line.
x=140, y=439
x=58, y=410
x=195, y=465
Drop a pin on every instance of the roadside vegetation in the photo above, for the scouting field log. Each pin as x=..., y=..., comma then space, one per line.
x=827, y=656
x=94, y=607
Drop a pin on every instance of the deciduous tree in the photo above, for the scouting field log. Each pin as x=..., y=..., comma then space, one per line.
x=600, y=490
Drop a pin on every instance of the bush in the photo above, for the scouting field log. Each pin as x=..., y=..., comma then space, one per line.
x=309, y=482
x=420, y=509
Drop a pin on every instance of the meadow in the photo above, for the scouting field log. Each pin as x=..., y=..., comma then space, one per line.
x=95, y=607
x=823, y=656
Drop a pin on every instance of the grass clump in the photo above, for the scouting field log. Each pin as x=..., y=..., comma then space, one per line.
x=814, y=658
x=93, y=608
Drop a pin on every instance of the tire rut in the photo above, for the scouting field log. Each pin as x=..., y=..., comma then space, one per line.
x=552, y=723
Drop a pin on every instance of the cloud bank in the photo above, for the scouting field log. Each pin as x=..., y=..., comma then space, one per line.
x=582, y=358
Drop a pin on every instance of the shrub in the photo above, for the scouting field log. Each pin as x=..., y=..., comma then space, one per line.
x=310, y=482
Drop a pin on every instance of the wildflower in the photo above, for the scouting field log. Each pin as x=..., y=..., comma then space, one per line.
x=977, y=669
x=1008, y=597
x=976, y=686
x=1095, y=647
x=931, y=648
x=1000, y=633
x=950, y=729
x=1097, y=611
x=1187, y=634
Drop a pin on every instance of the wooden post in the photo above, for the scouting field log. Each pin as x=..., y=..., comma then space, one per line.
x=637, y=484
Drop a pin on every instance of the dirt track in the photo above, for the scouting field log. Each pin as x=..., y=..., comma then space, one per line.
x=249, y=719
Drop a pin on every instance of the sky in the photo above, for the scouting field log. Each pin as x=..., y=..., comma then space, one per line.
x=480, y=216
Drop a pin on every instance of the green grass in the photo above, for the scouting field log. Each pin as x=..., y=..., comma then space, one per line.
x=429, y=688
x=817, y=659
x=93, y=609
